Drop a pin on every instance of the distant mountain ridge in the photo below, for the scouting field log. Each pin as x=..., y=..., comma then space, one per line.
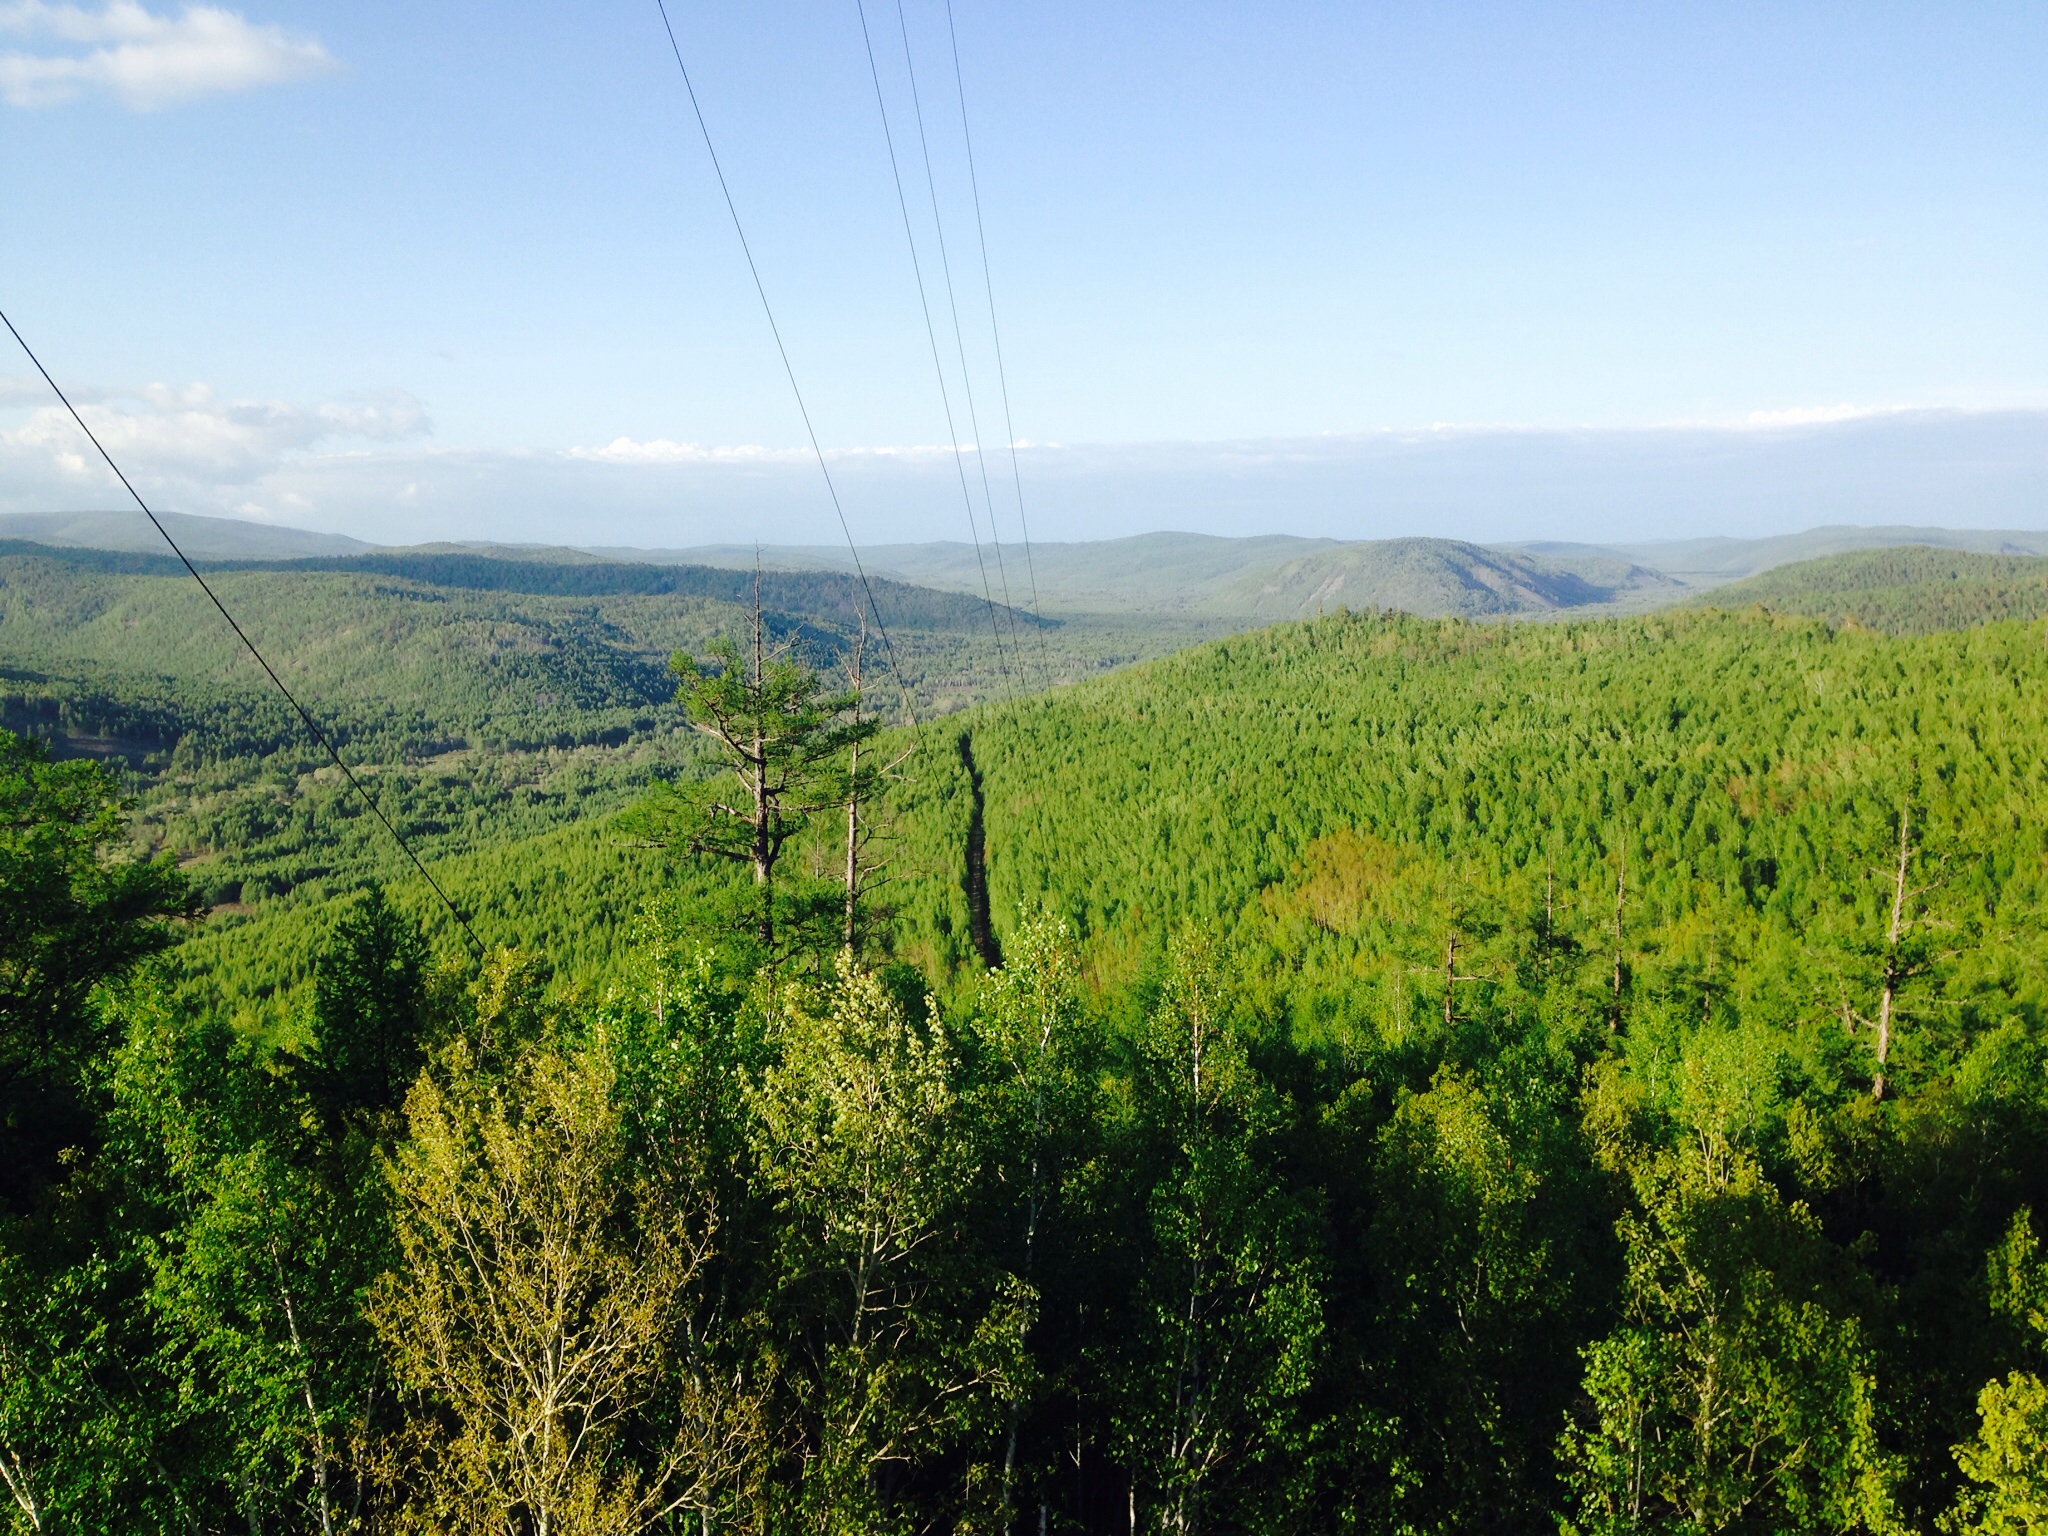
x=1705, y=562
x=1198, y=580
x=1435, y=576
x=829, y=595
x=1274, y=576
x=203, y=538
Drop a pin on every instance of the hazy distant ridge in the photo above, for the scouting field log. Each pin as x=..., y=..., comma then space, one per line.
x=1191, y=578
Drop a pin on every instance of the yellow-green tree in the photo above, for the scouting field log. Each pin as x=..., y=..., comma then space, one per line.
x=538, y=1310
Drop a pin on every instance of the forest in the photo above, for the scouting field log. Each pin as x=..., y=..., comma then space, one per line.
x=1375, y=1073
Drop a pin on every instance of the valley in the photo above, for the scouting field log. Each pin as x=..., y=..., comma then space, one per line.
x=1502, y=948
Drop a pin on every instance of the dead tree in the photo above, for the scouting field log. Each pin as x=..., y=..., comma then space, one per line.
x=1895, y=971
x=1903, y=957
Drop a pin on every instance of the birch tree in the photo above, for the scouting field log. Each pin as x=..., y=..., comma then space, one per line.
x=542, y=1292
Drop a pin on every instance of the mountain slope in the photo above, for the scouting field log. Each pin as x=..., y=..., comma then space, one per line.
x=1912, y=590
x=1705, y=562
x=1258, y=580
x=1723, y=749
x=1432, y=578
x=203, y=538
x=1151, y=572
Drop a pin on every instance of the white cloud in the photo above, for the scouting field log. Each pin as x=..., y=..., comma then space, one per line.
x=1819, y=415
x=147, y=61
x=187, y=436
x=662, y=450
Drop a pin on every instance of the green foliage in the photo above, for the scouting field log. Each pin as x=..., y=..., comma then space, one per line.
x=2006, y=1462
x=780, y=733
x=1412, y=1040
x=267, y=1235
x=1206, y=1373
x=368, y=1000
x=71, y=916
x=1737, y=1391
x=900, y=1351
x=539, y=1284
x=1905, y=591
x=1474, y=1256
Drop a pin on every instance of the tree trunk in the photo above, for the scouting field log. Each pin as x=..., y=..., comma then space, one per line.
x=1889, y=996
x=320, y=1460
x=853, y=794
x=852, y=836
x=764, y=848
x=764, y=852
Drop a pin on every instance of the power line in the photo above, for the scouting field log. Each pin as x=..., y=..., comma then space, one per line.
x=932, y=335
x=271, y=672
x=788, y=368
x=959, y=337
x=995, y=332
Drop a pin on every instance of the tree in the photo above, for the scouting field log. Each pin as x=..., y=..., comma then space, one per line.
x=369, y=1004
x=1905, y=953
x=859, y=789
x=275, y=1221
x=537, y=1308
x=1737, y=1391
x=2006, y=1461
x=1027, y=1030
x=901, y=1346
x=779, y=732
x=72, y=914
x=80, y=1402
x=1469, y=1307
x=256, y=1286
x=1227, y=1319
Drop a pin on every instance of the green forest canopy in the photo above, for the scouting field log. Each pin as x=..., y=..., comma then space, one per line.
x=1584, y=1076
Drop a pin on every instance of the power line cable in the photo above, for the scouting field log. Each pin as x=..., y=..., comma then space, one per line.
x=932, y=335
x=995, y=332
x=760, y=288
x=959, y=336
x=271, y=672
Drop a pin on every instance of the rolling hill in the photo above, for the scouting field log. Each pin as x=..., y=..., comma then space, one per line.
x=1910, y=590
x=1248, y=581
x=1707, y=562
x=1433, y=578
x=203, y=538
x=1131, y=597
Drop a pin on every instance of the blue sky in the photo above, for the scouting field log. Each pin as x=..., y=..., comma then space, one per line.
x=477, y=252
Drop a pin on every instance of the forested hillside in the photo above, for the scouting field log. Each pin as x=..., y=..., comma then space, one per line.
x=1705, y=880
x=1437, y=578
x=486, y=698
x=1245, y=582
x=1905, y=591
x=1373, y=1074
